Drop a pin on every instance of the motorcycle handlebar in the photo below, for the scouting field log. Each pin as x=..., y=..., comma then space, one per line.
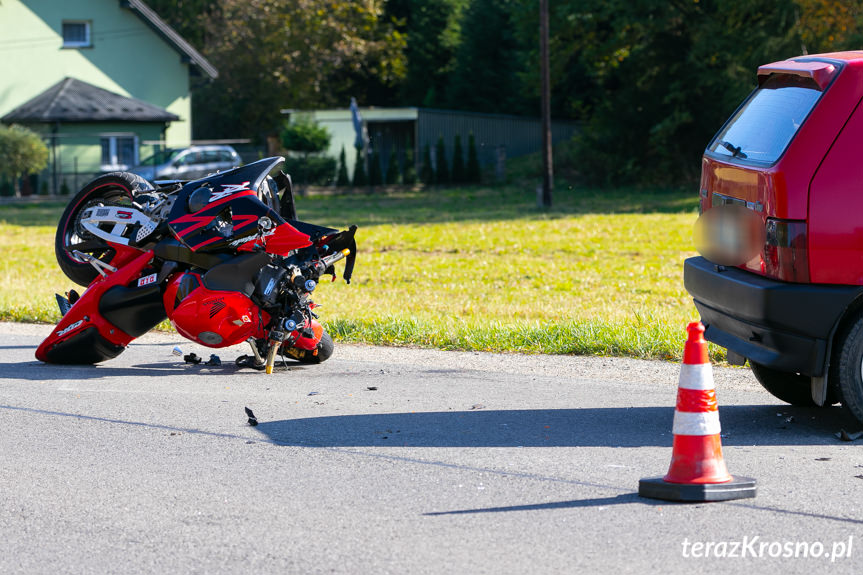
x=305, y=280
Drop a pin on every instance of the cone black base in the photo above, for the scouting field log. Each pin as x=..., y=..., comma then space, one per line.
x=657, y=488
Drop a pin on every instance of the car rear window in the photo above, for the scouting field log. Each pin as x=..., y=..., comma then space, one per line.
x=764, y=126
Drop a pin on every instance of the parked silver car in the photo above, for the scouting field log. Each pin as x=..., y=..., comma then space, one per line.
x=187, y=163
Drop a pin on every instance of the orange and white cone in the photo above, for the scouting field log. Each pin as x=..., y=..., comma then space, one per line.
x=697, y=471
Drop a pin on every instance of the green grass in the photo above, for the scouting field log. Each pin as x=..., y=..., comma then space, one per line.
x=474, y=269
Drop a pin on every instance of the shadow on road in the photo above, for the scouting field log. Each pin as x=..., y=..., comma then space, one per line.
x=745, y=425
x=38, y=371
x=574, y=504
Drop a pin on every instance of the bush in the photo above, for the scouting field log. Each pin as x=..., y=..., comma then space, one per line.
x=458, y=173
x=311, y=171
x=360, y=178
x=410, y=175
x=305, y=135
x=426, y=171
x=375, y=175
x=442, y=168
x=342, y=176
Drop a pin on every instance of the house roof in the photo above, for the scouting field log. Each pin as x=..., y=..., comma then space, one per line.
x=71, y=100
x=170, y=36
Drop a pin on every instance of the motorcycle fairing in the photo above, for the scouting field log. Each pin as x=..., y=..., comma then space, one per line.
x=202, y=219
x=84, y=335
x=214, y=318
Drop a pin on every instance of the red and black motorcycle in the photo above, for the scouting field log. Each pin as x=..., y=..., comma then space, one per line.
x=223, y=258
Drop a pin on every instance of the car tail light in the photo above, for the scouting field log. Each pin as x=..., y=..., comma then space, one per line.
x=786, y=250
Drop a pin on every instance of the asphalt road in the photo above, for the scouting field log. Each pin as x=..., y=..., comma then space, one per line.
x=400, y=461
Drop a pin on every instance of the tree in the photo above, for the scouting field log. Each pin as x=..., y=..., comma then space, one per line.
x=427, y=175
x=488, y=60
x=410, y=175
x=342, y=177
x=360, y=178
x=473, y=171
x=432, y=30
x=442, y=171
x=458, y=174
x=22, y=152
x=188, y=17
x=276, y=54
x=639, y=72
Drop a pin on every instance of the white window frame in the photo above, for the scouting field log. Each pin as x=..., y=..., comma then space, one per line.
x=113, y=151
x=88, y=40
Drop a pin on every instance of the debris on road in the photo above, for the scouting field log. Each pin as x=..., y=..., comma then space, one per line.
x=177, y=351
x=192, y=358
x=477, y=406
x=214, y=360
x=253, y=421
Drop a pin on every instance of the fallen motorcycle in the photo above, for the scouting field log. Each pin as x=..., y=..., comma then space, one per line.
x=223, y=258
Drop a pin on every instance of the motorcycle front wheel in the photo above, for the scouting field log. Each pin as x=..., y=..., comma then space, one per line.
x=115, y=189
x=324, y=351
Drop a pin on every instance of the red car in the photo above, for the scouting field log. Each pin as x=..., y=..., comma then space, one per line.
x=789, y=159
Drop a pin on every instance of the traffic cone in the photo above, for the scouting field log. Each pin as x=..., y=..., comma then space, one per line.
x=697, y=472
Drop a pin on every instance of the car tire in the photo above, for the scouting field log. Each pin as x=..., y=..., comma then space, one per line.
x=116, y=188
x=791, y=388
x=849, y=374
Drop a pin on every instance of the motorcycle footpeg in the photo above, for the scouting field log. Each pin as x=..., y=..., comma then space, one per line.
x=250, y=361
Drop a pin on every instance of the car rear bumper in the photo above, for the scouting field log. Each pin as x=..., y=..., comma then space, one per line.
x=784, y=326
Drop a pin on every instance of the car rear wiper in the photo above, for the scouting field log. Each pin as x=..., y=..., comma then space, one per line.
x=735, y=150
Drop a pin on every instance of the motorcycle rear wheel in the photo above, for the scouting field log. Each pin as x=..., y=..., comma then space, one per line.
x=116, y=188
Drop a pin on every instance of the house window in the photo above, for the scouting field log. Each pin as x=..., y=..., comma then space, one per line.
x=76, y=34
x=119, y=152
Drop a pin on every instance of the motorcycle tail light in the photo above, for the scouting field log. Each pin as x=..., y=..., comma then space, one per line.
x=786, y=250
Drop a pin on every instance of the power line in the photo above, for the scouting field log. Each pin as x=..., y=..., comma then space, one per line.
x=18, y=43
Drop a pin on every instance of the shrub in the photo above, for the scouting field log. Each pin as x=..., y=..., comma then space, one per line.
x=410, y=174
x=311, y=171
x=442, y=168
x=342, y=176
x=360, y=178
x=426, y=171
x=458, y=173
x=375, y=175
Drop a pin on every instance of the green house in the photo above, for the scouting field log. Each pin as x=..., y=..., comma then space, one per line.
x=104, y=81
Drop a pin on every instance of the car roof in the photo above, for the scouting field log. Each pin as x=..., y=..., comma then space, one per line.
x=209, y=147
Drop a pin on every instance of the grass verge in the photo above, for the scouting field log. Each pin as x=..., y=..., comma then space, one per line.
x=477, y=268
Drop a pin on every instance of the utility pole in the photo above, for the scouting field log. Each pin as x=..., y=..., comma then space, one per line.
x=547, y=168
